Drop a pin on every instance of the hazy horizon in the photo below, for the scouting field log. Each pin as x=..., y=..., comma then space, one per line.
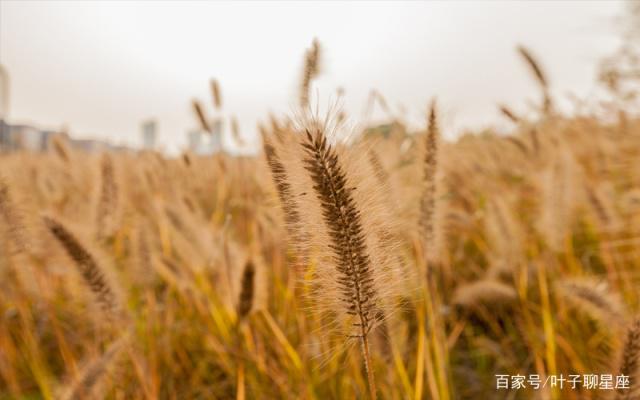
x=102, y=68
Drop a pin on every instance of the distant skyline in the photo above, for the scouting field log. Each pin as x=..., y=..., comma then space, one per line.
x=102, y=68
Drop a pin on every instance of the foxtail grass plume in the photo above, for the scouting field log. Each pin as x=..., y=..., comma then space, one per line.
x=202, y=118
x=428, y=206
x=235, y=132
x=283, y=187
x=247, y=290
x=539, y=75
x=186, y=158
x=107, y=205
x=216, y=94
x=86, y=386
x=594, y=298
x=310, y=72
x=354, y=269
x=507, y=112
x=485, y=292
x=60, y=147
x=87, y=265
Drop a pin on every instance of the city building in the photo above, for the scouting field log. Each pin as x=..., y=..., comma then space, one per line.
x=25, y=137
x=204, y=143
x=149, y=129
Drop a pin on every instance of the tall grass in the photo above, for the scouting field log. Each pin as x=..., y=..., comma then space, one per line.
x=221, y=276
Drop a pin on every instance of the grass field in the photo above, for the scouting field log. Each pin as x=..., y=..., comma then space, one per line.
x=396, y=264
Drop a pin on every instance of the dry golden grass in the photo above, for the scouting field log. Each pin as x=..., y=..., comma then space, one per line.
x=399, y=265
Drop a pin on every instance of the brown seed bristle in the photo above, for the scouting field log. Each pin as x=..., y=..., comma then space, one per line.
x=85, y=386
x=539, y=74
x=247, y=290
x=428, y=204
x=535, y=67
x=355, y=278
x=186, y=158
x=507, y=112
x=594, y=297
x=60, y=147
x=484, y=292
x=310, y=72
x=202, y=118
x=106, y=208
x=216, y=94
x=235, y=131
x=86, y=263
x=283, y=188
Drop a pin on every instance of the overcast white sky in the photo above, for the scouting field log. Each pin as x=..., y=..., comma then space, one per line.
x=104, y=67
